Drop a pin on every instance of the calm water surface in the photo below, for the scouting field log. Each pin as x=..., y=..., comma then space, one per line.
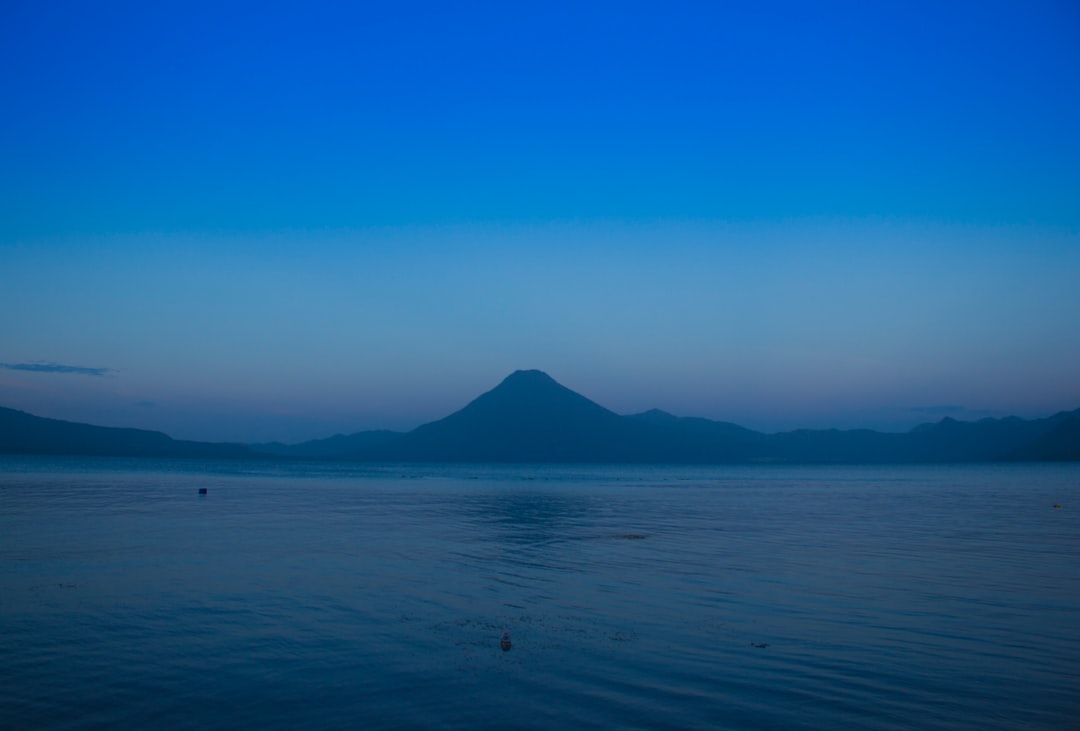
x=337, y=596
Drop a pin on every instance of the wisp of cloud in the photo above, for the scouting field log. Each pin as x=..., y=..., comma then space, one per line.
x=56, y=368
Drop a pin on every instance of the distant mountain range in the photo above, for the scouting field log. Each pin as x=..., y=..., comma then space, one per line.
x=531, y=418
x=22, y=433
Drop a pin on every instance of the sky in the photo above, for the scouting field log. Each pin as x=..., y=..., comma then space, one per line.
x=280, y=221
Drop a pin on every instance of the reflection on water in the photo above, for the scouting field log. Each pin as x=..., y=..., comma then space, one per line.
x=323, y=596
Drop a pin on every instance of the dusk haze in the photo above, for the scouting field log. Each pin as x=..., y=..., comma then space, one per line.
x=476, y=366
x=251, y=222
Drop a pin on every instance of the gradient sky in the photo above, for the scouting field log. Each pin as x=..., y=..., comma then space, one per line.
x=253, y=221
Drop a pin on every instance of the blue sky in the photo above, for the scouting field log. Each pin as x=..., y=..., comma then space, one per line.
x=272, y=221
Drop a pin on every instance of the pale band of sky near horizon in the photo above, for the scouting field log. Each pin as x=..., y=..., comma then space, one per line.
x=250, y=222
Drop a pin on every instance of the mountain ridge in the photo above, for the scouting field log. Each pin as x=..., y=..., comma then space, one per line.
x=530, y=417
x=23, y=433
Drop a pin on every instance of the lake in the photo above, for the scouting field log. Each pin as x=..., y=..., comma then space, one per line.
x=324, y=596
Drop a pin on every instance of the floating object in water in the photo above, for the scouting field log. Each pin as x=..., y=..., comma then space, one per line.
x=504, y=643
x=202, y=490
x=1057, y=506
x=759, y=644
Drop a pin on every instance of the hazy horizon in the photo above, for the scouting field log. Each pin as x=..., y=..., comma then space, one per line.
x=253, y=223
x=929, y=415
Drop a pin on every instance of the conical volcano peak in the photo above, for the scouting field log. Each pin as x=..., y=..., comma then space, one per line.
x=530, y=381
x=532, y=385
x=529, y=376
x=529, y=417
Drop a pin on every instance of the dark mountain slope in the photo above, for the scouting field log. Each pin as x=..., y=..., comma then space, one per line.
x=835, y=446
x=948, y=440
x=1059, y=443
x=22, y=433
x=696, y=440
x=340, y=446
x=527, y=418
x=531, y=418
x=974, y=441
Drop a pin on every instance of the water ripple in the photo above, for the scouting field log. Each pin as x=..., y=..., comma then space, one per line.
x=325, y=596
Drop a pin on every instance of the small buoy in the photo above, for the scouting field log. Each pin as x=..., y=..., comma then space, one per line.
x=504, y=643
x=202, y=490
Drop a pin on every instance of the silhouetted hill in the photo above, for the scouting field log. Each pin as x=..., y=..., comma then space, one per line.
x=526, y=418
x=697, y=440
x=836, y=446
x=950, y=440
x=531, y=418
x=1059, y=443
x=339, y=446
x=22, y=433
